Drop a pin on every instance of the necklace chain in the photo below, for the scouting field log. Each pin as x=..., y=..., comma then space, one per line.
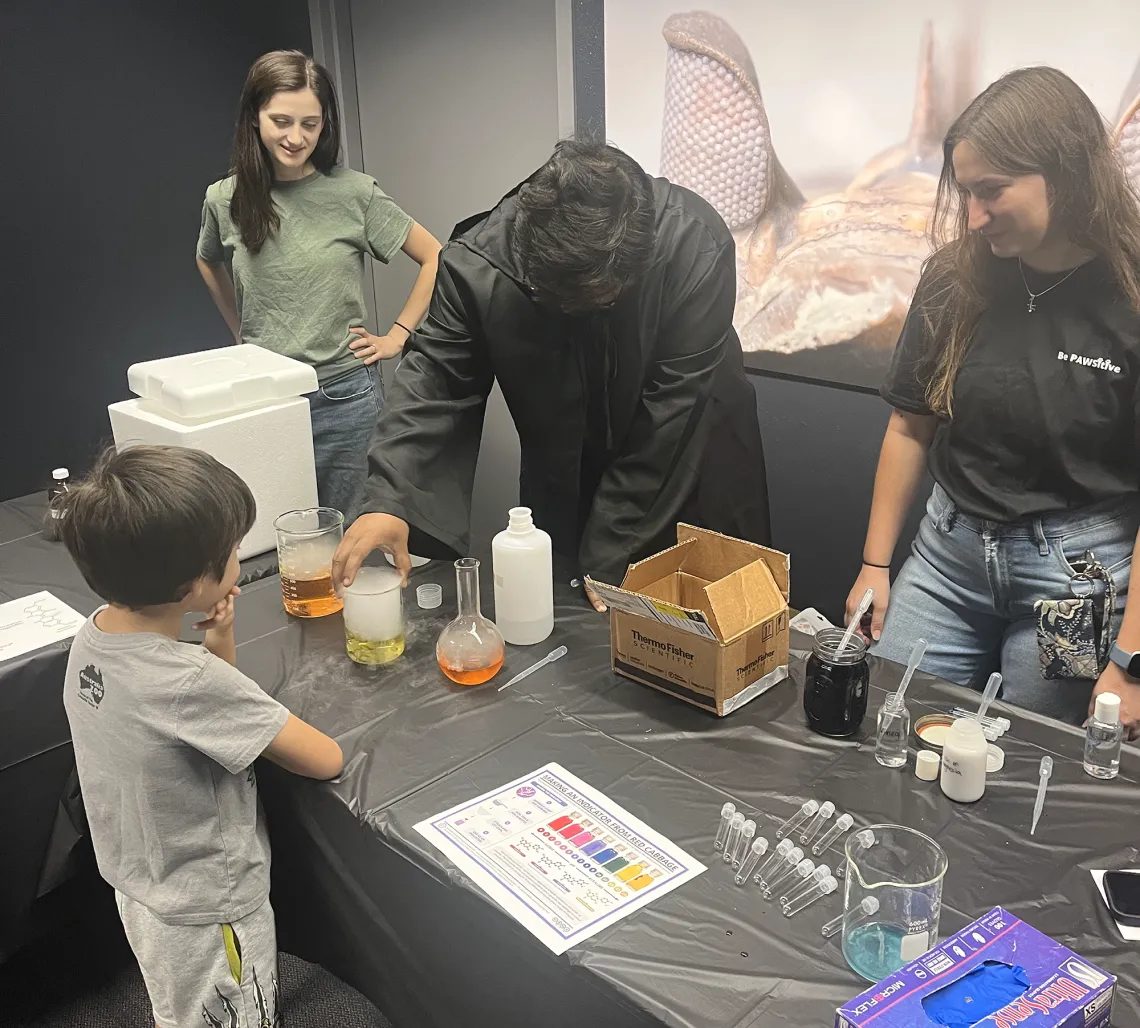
x=1031, y=306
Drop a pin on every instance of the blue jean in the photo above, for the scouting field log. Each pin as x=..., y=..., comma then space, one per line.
x=344, y=414
x=969, y=587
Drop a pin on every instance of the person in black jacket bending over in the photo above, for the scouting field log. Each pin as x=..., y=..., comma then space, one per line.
x=602, y=300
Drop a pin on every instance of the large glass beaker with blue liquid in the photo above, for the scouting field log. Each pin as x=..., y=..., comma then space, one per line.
x=903, y=870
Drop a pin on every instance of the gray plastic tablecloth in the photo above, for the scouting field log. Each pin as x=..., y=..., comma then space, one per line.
x=357, y=889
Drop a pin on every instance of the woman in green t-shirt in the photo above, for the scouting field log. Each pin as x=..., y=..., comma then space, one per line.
x=282, y=251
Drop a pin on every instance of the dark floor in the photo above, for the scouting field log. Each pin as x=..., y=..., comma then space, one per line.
x=82, y=974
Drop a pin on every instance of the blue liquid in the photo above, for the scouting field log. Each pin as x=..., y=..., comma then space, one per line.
x=874, y=950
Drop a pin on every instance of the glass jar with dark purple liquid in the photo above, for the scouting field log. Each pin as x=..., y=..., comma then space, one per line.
x=836, y=684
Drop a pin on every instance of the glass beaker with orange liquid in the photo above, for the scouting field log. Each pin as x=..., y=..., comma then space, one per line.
x=306, y=542
x=470, y=648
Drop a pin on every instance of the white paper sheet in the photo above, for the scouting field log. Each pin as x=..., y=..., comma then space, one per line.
x=531, y=847
x=33, y=621
x=1129, y=933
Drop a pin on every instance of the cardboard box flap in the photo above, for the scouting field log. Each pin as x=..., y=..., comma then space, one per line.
x=645, y=572
x=717, y=556
x=743, y=599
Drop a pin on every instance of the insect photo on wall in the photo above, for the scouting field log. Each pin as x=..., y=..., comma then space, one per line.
x=830, y=239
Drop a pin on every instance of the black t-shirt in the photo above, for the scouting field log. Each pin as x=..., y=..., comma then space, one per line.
x=1046, y=405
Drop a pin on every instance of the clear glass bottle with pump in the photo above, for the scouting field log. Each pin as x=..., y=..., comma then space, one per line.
x=1103, y=736
x=470, y=648
x=893, y=729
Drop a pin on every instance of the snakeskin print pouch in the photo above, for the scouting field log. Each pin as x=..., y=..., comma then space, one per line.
x=1072, y=636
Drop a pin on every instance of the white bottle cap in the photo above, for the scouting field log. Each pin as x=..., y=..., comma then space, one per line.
x=60, y=474
x=429, y=596
x=995, y=758
x=926, y=765
x=1107, y=708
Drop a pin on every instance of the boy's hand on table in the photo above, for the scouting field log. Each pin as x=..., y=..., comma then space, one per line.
x=221, y=619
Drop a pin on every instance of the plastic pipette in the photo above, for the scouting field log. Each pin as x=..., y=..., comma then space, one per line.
x=756, y=851
x=842, y=824
x=774, y=860
x=987, y=722
x=797, y=819
x=822, y=816
x=1045, y=771
x=992, y=687
x=916, y=656
x=735, y=827
x=864, y=606
x=726, y=813
x=743, y=842
x=550, y=658
x=824, y=888
x=792, y=889
x=893, y=708
x=867, y=908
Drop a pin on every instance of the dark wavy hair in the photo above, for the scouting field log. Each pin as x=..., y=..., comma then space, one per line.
x=584, y=225
x=281, y=71
x=1030, y=121
x=148, y=522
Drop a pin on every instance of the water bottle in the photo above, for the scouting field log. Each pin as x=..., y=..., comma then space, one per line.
x=60, y=484
x=1103, y=736
x=524, y=581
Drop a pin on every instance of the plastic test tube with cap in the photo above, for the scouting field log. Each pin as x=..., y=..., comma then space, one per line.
x=726, y=813
x=773, y=862
x=824, y=813
x=791, y=862
x=743, y=842
x=842, y=824
x=735, y=827
x=757, y=850
x=793, y=889
x=797, y=819
x=807, y=898
x=867, y=908
x=793, y=878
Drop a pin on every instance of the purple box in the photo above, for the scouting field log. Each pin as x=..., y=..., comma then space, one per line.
x=1063, y=989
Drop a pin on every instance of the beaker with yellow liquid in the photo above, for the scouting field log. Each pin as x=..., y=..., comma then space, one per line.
x=374, y=616
x=306, y=542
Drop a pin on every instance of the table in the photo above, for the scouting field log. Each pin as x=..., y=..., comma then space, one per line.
x=41, y=815
x=358, y=890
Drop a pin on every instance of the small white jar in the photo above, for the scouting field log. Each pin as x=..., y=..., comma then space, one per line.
x=964, y=761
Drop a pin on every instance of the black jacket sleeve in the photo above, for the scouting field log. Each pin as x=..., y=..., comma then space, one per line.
x=647, y=484
x=421, y=464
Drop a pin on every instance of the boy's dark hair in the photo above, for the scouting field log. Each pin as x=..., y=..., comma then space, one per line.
x=584, y=225
x=148, y=522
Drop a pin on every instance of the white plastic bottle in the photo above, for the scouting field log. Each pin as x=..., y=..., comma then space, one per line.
x=964, y=761
x=524, y=581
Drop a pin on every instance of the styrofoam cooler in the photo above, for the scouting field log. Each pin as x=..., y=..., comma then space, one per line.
x=243, y=405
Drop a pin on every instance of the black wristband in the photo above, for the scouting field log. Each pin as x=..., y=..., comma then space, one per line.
x=881, y=567
x=404, y=327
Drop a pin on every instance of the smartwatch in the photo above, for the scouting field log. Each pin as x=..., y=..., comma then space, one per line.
x=1130, y=662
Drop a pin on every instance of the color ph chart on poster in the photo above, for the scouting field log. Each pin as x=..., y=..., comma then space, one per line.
x=559, y=857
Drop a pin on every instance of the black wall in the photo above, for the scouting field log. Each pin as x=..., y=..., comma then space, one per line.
x=117, y=115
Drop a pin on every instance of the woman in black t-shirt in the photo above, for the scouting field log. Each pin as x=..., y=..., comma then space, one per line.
x=1017, y=381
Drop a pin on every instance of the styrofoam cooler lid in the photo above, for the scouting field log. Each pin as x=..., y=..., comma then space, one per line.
x=200, y=385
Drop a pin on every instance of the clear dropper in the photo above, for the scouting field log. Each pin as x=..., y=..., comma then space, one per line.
x=864, y=606
x=726, y=813
x=797, y=819
x=757, y=850
x=992, y=687
x=1044, y=773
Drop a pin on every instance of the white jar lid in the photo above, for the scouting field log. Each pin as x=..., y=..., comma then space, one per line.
x=927, y=765
x=995, y=758
x=429, y=596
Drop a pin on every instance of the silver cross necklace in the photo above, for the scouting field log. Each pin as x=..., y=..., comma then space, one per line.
x=1031, y=306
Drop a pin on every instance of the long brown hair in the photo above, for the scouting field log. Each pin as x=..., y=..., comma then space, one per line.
x=1030, y=121
x=281, y=71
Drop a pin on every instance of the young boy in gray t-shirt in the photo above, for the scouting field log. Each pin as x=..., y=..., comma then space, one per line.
x=166, y=733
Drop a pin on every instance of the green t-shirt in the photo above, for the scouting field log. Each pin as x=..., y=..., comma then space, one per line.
x=302, y=293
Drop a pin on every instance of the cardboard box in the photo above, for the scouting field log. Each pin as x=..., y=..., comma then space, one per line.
x=705, y=620
x=1061, y=989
